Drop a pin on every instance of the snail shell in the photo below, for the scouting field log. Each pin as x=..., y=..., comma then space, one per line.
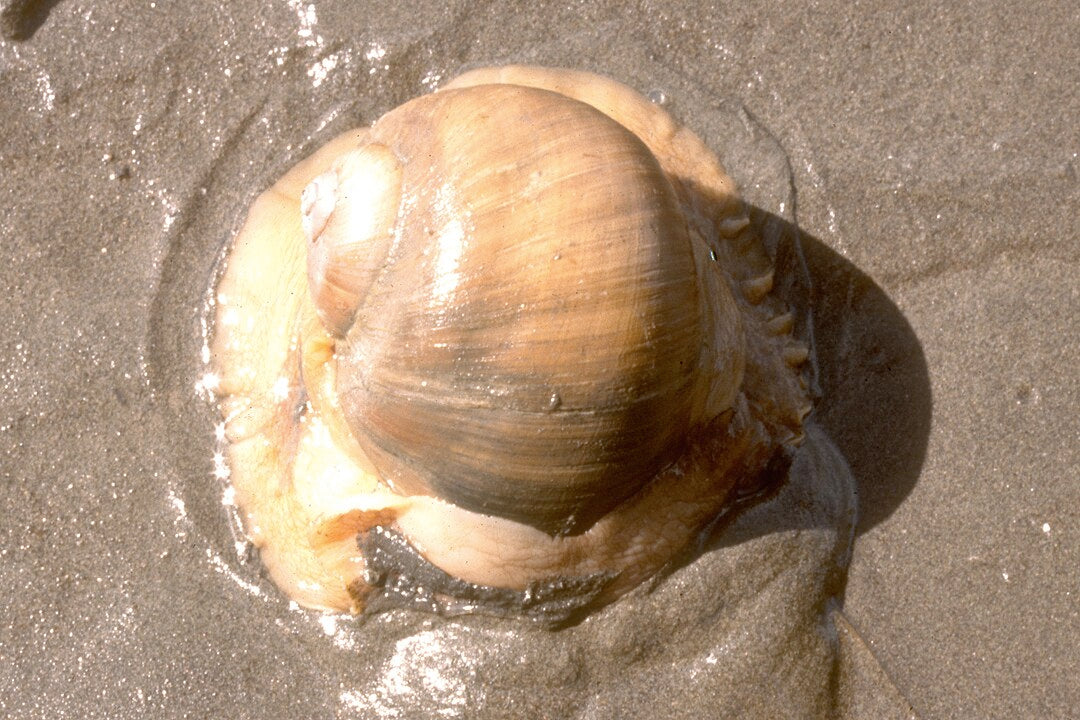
x=520, y=315
x=518, y=303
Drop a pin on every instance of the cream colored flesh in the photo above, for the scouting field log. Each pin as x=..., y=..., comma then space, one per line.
x=304, y=487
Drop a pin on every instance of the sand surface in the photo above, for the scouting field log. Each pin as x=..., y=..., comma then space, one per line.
x=927, y=154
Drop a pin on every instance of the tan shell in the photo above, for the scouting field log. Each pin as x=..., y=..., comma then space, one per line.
x=545, y=330
x=526, y=333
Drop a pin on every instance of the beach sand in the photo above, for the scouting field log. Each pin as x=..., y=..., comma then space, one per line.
x=928, y=157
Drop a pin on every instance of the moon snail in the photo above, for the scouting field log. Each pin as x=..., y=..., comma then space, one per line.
x=510, y=349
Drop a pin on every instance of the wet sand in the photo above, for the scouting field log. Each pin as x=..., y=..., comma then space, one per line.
x=929, y=157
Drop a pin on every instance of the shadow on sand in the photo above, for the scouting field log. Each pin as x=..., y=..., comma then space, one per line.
x=868, y=370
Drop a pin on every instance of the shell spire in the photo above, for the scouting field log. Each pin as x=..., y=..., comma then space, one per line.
x=348, y=216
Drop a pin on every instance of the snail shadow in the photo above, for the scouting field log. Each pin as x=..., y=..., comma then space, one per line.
x=867, y=371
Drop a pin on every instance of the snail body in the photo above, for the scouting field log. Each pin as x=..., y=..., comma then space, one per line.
x=520, y=323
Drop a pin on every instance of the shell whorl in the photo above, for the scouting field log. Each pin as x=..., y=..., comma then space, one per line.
x=519, y=304
x=348, y=215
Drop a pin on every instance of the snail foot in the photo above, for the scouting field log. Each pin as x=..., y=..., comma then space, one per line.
x=396, y=576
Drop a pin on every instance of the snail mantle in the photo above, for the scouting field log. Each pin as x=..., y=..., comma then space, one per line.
x=510, y=349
